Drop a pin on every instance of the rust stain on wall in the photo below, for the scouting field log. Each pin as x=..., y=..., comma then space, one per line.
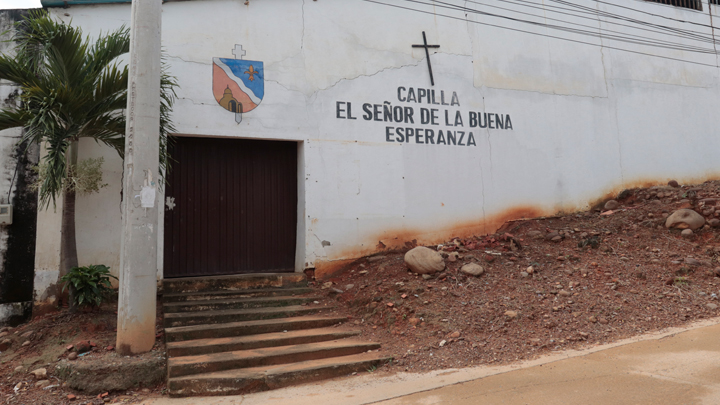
x=403, y=239
x=325, y=269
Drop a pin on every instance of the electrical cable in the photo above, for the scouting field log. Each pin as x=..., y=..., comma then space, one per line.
x=538, y=34
x=695, y=35
x=600, y=31
x=629, y=19
x=571, y=30
x=652, y=14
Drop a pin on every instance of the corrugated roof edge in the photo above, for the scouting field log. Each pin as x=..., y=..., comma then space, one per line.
x=64, y=3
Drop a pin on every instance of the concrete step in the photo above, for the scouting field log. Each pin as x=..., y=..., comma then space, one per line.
x=235, y=382
x=229, y=344
x=208, y=363
x=236, y=315
x=231, y=294
x=234, y=282
x=236, y=303
x=245, y=328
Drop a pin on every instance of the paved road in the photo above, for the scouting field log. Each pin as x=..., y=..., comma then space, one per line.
x=682, y=369
x=675, y=367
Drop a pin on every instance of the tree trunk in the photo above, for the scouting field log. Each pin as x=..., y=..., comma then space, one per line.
x=68, y=242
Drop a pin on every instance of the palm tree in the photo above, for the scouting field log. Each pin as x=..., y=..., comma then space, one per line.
x=71, y=88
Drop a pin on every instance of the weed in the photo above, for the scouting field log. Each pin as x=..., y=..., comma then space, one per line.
x=90, y=285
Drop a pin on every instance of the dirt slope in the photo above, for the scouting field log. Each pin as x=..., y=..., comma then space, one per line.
x=549, y=284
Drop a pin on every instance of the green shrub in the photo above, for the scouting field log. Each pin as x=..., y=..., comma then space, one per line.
x=89, y=285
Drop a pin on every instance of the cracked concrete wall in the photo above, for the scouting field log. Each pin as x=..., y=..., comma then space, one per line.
x=588, y=119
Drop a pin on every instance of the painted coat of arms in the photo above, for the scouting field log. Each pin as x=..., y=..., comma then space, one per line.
x=238, y=84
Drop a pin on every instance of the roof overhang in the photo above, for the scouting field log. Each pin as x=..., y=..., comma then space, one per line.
x=65, y=3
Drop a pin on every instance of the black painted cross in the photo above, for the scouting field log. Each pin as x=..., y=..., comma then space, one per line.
x=427, y=54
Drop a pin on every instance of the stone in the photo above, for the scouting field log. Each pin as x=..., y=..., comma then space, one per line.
x=686, y=233
x=472, y=269
x=349, y=287
x=442, y=343
x=564, y=293
x=42, y=383
x=552, y=236
x=685, y=219
x=673, y=183
x=336, y=291
x=72, y=356
x=692, y=261
x=26, y=343
x=611, y=205
x=71, y=397
x=5, y=344
x=534, y=234
x=19, y=369
x=3, y=334
x=83, y=346
x=530, y=270
x=454, y=335
x=39, y=373
x=27, y=334
x=422, y=260
x=453, y=257
x=524, y=274
x=426, y=277
x=714, y=222
x=414, y=321
x=557, y=238
x=511, y=314
x=712, y=306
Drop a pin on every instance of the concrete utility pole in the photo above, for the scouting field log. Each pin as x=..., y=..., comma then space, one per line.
x=138, y=246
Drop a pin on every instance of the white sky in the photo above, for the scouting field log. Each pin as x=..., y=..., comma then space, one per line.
x=19, y=4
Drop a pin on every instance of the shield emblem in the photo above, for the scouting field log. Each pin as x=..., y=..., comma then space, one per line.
x=238, y=84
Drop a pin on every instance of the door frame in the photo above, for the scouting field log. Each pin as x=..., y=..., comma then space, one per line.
x=300, y=226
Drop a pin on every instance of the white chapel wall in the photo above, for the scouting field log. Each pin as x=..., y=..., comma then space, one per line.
x=587, y=120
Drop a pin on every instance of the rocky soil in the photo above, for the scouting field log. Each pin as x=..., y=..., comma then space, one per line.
x=31, y=353
x=546, y=284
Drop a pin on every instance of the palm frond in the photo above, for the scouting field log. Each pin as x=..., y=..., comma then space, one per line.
x=73, y=88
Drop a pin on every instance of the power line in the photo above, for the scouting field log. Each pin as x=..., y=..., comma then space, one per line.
x=694, y=35
x=534, y=33
x=629, y=19
x=652, y=14
x=600, y=32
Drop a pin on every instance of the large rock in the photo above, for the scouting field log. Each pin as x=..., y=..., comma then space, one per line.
x=424, y=261
x=40, y=373
x=611, y=205
x=685, y=219
x=472, y=269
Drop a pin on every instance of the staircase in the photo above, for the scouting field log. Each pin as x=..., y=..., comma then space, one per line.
x=232, y=335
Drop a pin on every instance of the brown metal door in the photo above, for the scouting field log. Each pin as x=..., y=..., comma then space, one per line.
x=231, y=207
